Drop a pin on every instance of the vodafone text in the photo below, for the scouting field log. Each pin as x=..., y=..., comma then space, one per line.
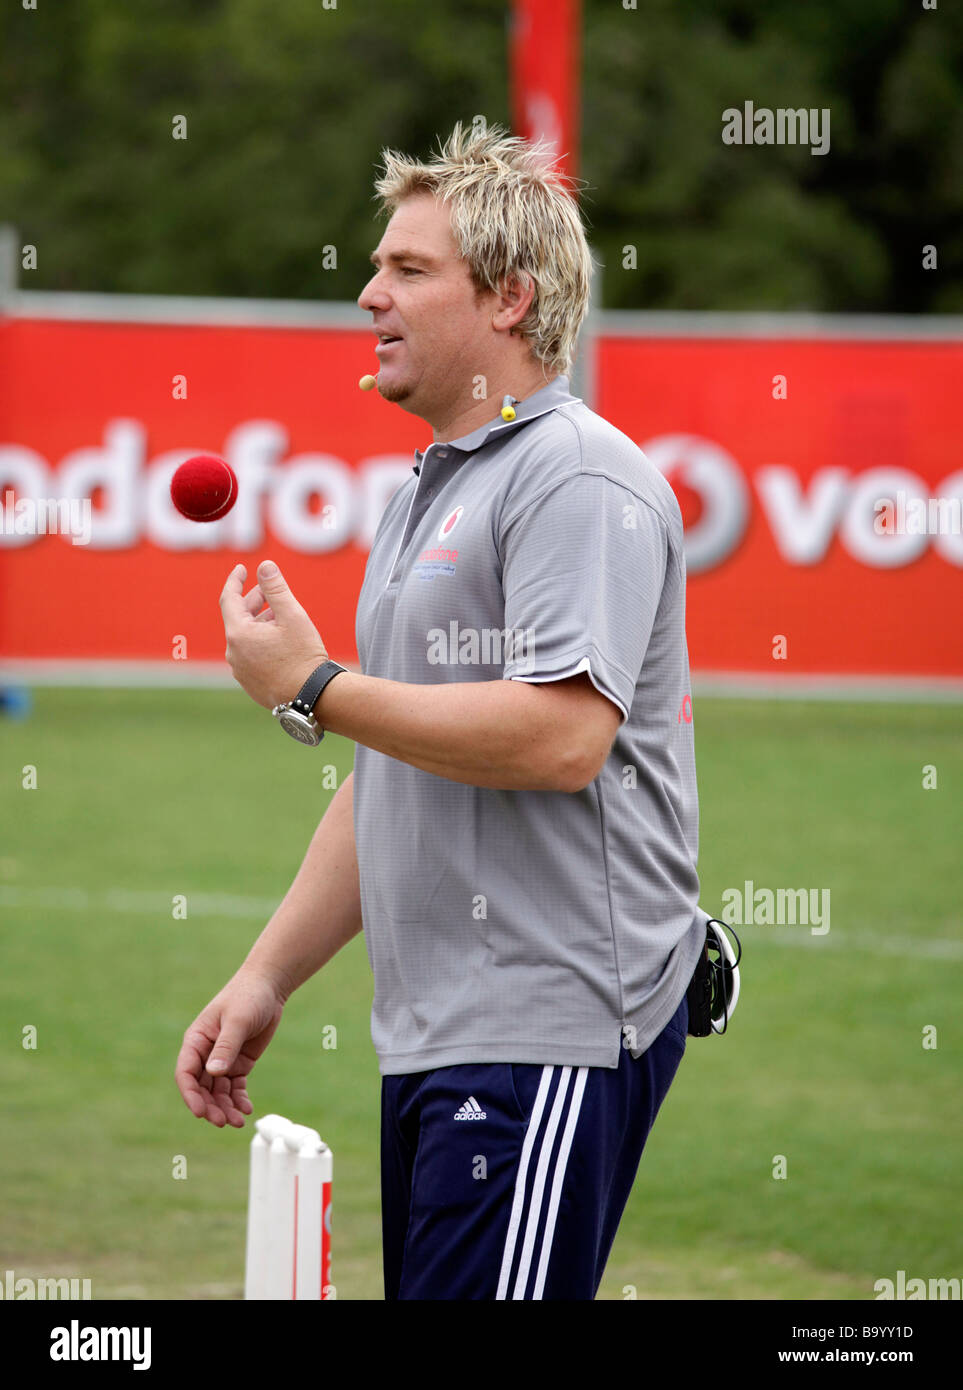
x=281, y=495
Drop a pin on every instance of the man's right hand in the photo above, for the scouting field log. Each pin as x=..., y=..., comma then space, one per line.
x=221, y=1046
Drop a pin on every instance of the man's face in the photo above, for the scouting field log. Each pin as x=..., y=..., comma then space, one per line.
x=422, y=293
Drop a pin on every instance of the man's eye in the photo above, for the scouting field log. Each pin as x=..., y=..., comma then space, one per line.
x=410, y=270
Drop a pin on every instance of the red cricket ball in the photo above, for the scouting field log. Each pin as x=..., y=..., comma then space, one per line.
x=204, y=488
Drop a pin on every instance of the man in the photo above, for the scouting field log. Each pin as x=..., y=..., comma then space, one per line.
x=518, y=838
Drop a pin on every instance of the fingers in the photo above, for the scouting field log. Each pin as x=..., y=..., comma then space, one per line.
x=230, y=1040
x=219, y=1099
x=226, y=1102
x=231, y=601
x=221, y=1047
x=253, y=601
x=189, y=1072
x=274, y=587
x=229, y=1102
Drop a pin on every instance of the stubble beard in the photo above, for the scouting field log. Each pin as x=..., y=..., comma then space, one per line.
x=394, y=391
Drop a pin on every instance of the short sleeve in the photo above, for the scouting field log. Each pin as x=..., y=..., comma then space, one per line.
x=583, y=569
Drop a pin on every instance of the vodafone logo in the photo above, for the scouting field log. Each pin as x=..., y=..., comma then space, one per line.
x=449, y=523
x=712, y=493
x=803, y=518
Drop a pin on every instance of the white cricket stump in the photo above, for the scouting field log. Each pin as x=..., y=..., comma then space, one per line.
x=288, y=1213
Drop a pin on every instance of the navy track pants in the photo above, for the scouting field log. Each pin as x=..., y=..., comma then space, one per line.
x=507, y=1180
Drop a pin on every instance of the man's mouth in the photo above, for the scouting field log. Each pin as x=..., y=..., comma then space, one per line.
x=384, y=342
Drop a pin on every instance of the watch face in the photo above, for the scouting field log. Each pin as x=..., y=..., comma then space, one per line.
x=299, y=727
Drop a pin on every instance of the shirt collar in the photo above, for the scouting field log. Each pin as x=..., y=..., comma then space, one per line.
x=548, y=397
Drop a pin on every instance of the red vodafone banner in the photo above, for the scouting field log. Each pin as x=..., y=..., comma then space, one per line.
x=820, y=482
x=782, y=450
x=111, y=409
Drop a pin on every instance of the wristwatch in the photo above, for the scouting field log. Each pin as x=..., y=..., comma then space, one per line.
x=296, y=717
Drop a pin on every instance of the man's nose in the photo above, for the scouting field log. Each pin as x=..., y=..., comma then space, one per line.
x=373, y=296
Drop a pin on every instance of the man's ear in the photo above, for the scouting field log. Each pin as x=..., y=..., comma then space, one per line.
x=516, y=294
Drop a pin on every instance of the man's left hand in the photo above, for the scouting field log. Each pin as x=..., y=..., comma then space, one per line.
x=271, y=653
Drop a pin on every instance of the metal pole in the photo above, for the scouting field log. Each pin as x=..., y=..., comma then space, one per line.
x=9, y=252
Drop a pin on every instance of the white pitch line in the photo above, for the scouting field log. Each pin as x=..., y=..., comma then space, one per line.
x=128, y=900
x=154, y=902
x=934, y=948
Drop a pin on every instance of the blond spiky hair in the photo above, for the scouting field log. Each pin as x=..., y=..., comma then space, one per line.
x=512, y=214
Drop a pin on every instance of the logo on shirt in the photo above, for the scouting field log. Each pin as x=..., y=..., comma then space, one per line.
x=471, y=1110
x=440, y=559
x=449, y=523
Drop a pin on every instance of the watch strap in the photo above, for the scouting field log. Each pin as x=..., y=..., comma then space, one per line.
x=309, y=694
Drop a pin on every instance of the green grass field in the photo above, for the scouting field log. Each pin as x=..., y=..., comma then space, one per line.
x=142, y=796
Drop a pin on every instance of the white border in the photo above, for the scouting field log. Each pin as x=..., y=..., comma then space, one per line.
x=184, y=309
x=607, y=323
x=154, y=675
x=900, y=328
x=750, y=685
x=215, y=675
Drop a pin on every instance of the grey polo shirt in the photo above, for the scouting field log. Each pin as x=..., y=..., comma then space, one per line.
x=531, y=926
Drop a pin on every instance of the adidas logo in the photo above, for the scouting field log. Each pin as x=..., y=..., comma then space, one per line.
x=471, y=1110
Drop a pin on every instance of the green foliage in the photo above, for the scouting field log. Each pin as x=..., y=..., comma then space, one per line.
x=289, y=106
x=775, y=227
